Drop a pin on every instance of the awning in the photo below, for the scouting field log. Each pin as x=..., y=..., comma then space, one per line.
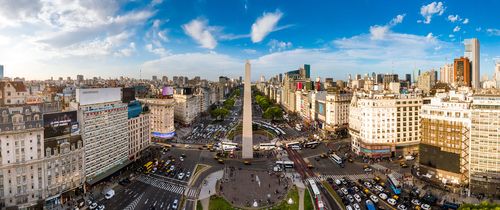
x=107, y=173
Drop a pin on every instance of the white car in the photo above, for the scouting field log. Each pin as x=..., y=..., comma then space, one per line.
x=344, y=191
x=175, y=204
x=415, y=202
x=368, y=184
x=379, y=188
x=181, y=176
x=101, y=207
x=391, y=201
x=337, y=182
x=93, y=206
x=356, y=206
x=374, y=198
x=425, y=206
x=348, y=207
x=382, y=196
x=357, y=197
x=368, y=169
x=188, y=174
x=109, y=194
x=401, y=207
x=181, y=158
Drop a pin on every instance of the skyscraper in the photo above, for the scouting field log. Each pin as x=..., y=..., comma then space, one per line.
x=462, y=72
x=1, y=71
x=472, y=53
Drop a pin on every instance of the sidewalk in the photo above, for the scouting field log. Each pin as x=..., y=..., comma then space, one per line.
x=209, y=184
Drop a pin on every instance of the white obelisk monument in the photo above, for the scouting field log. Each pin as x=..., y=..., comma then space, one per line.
x=247, y=138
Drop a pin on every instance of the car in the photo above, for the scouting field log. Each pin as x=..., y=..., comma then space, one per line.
x=329, y=180
x=356, y=189
x=401, y=207
x=181, y=176
x=93, y=206
x=379, y=188
x=356, y=206
x=181, y=159
x=101, y=207
x=415, y=202
x=425, y=206
x=348, y=207
x=175, y=204
x=357, y=197
x=374, y=198
x=391, y=201
x=368, y=169
x=109, y=194
x=188, y=174
x=337, y=182
x=344, y=191
x=350, y=198
x=383, y=196
x=368, y=184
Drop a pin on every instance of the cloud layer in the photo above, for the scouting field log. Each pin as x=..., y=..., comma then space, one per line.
x=199, y=30
x=265, y=25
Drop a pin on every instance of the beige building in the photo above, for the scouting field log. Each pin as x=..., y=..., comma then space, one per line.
x=187, y=108
x=384, y=125
x=337, y=110
x=139, y=134
x=12, y=93
x=426, y=81
x=485, y=143
x=161, y=116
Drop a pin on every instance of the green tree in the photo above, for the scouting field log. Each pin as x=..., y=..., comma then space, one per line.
x=219, y=113
x=273, y=113
x=482, y=205
x=229, y=103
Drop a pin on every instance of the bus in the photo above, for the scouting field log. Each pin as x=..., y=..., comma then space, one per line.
x=336, y=158
x=312, y=144
x=285, y=164
x=290, y=144
x=229, y=146
x=148, y=167
x=267, y=146
x=394, y=184
x=316, y=194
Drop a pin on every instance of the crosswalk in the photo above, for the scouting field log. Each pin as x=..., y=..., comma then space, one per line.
x=192, y=193
x=134, y=203
x=162, y=184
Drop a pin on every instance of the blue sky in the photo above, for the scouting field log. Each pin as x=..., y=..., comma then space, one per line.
x=40, y=39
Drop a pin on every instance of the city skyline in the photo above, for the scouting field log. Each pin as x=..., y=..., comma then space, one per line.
x=110, y=39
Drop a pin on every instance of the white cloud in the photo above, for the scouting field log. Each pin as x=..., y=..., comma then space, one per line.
x=264, y=25
x=156, y=2
x=397, y=20
x=126, y=52
x=427, y=11
x=277, y=46
x=199, y=30
x=378, y=32
x=493, y=31
x=456, y=29
x=478, y=29
x=451, y=35
x=250, y=51
x=466, y=20
x=157, y=50
x=453, y=18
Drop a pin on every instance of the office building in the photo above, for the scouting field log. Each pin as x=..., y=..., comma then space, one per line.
x=104, y=128
x=187, y=106
x=446, y=74
x=139, y=130
x=161, y=117
x=1, y=72
x=426, y=81
x=445, y=135
x=337, y=111
x=384, y=125
x=472, y=53
x=408, y=78
x=462, y=72
x=485, y=143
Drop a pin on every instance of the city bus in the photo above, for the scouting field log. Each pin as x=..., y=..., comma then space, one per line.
x=229, y=146
x=148, y=167
x=290, y=144
x=285, y=164
x=316, y=194
x=336, y=158
x=311, y=144
x=267, y=146
x=394, y=184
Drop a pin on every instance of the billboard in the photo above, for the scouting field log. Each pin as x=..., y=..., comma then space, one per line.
x=163, y=135
x=167, y=91
x=128, y=94
x=320, y=108
x=60, y=123
x=98, y=95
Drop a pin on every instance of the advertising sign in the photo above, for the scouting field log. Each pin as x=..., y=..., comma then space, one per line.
x=60, y=123
x=167, y=91
x=163, y=135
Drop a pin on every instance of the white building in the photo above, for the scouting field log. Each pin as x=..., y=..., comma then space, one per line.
x=186, y=108
x=383, y=125
x=472, y=52
x=446, y=74
x=337, y=110
x=104, y=128
x=139, y=134
x=12, y=93
x=161, y=116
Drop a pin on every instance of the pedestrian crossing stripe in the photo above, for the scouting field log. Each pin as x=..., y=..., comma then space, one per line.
x=134, y=203
x=162, y=184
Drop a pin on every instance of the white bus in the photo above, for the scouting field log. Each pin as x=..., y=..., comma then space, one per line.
x=336, y=158
x=267, y=146
x=316, y=194
x=289, y=144
x=285, y=163
x=229, y=146
x=311, y=144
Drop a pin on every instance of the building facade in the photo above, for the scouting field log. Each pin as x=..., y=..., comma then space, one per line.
x=472, y=53
x=462, y=72
x=337, y=110
x=384, y=125
x=139, y=134
x=161, y=117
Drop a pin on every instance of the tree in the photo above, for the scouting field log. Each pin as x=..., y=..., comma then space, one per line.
x=229, y=103
x=219, y=113
x=273, y=113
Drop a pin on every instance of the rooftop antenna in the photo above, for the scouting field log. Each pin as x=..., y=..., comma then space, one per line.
x=140, y=74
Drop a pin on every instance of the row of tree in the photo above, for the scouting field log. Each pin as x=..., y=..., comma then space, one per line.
x=270, y=110
x=220, y=113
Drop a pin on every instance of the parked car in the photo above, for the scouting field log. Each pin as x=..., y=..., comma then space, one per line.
x=391, y=201
x=181, y=176
x=425, y=206
x=383, y=196
x=415, y=202
x=374, y=198
x=357, y=197
x=401, y=207
x=93, y=206
x=356, y=206
x=109, y=194
x=175, y=204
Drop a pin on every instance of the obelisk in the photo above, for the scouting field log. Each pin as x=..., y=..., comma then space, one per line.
x=247, y=137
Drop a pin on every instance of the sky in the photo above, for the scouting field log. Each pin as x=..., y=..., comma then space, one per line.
x=40, y=39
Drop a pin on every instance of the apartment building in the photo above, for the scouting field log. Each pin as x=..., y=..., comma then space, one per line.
x=337, y=110
x=12, y=93
x=161, y=117
x=187, y=106
x=445, y=136
x=139, y=129
x=384, y=125
x=104, y=128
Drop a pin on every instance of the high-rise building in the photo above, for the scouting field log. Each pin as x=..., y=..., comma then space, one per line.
x=496, y=76
x=445, y=135
x=164, y=79
x=408, y=78
x=337, y=110
x=485, y=143
x=154, y=78
x=472, y=52
x=186, y=106
x=139, y=130
x=79, y=78
x=427, y=80
x=462, y=72
x=102, y=113
x=161, y=117
x=446, y=74
x=384, y=125
x=1, y=72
